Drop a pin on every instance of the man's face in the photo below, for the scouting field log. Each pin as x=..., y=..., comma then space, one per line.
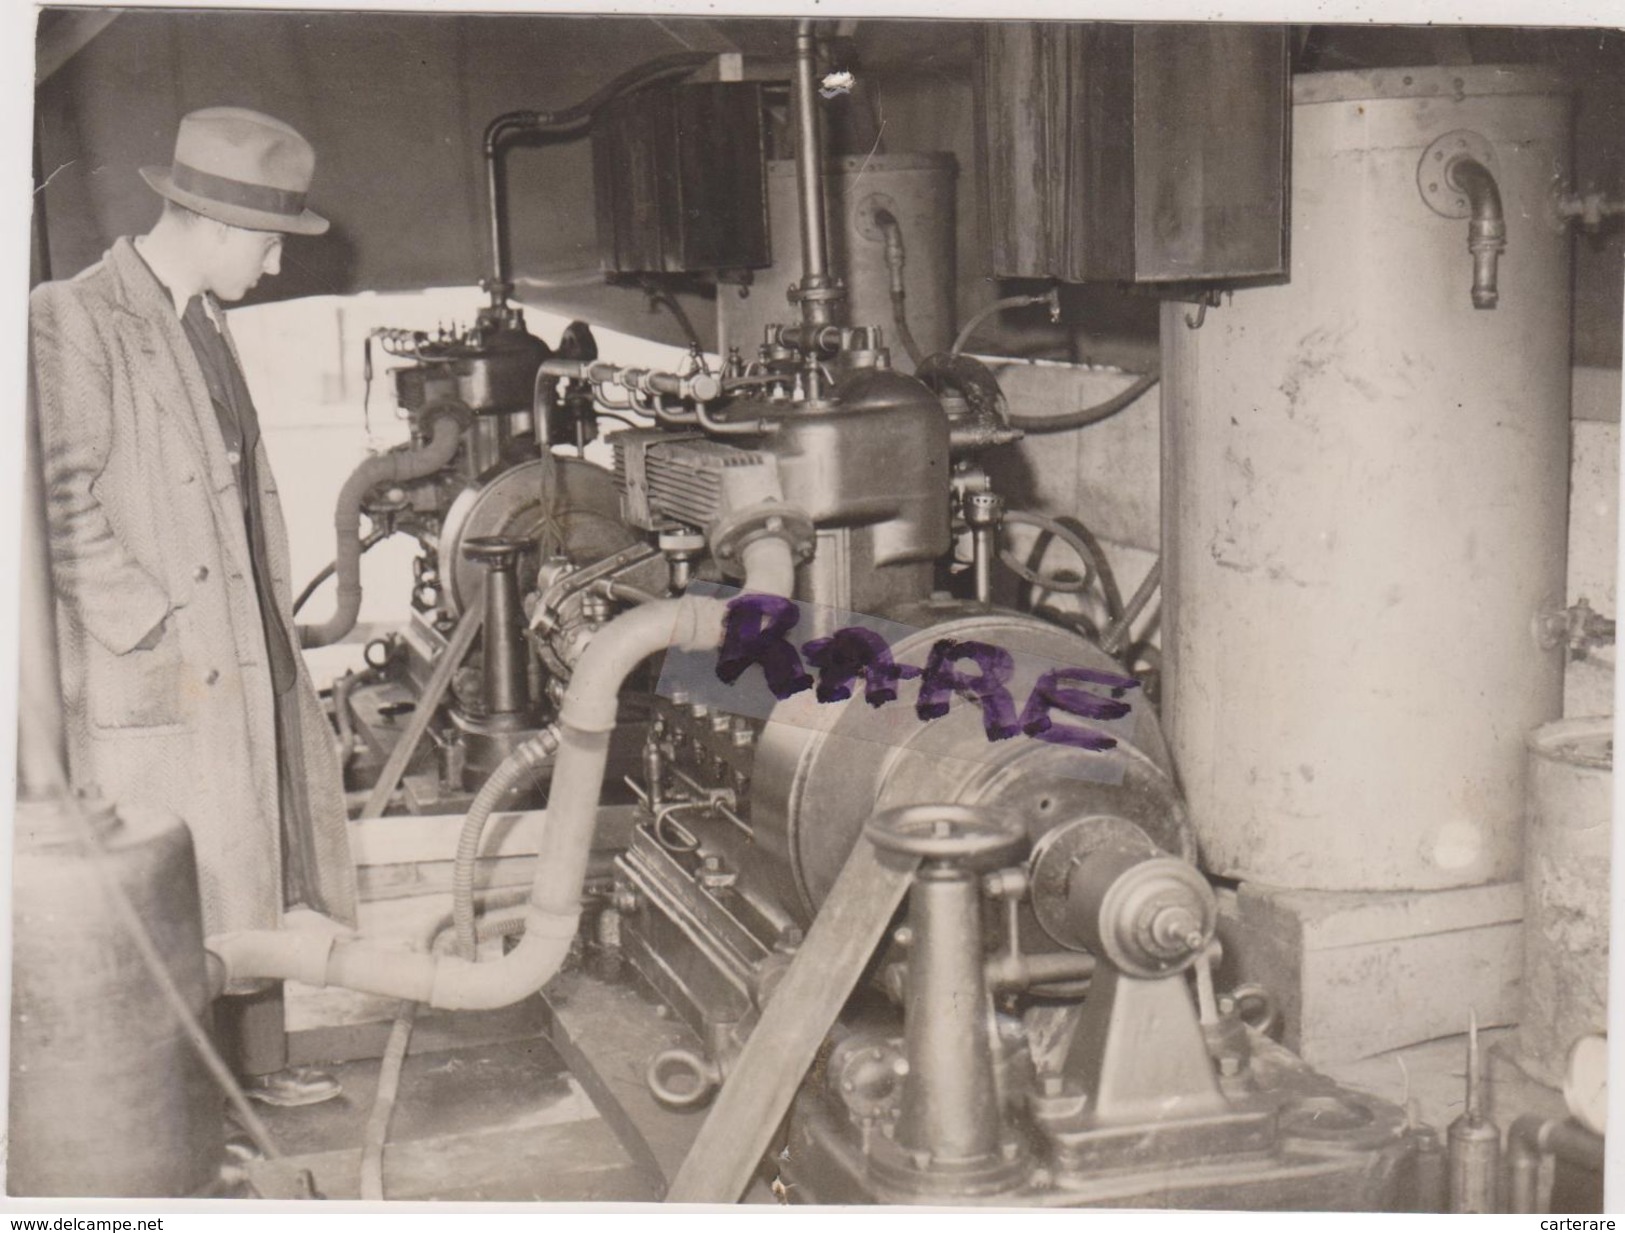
x=239, y=258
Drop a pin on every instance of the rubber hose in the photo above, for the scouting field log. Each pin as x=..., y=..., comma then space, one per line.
x=383, y=1104
x=1087, y=415
x=374, y=538
x=899, y=312
x=488, y=901
x=1053, y=583
x=971, y=326
x=394, y=1061
x=677, y=63
x=512, y=771
x=1082, y=544
x=553, y=914
x=896, y=262
x=396, y=466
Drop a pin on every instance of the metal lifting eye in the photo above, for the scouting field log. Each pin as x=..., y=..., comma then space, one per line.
x=682, y=1079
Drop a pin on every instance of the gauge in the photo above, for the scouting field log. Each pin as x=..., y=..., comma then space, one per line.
x=1585, y=1083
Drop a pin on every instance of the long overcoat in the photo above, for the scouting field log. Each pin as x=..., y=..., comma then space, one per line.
x=147, y=522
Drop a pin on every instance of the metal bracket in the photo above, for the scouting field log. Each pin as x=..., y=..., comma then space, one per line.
x=1210, y=299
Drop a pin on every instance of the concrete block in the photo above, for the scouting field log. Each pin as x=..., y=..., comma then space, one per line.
x=1358, y=974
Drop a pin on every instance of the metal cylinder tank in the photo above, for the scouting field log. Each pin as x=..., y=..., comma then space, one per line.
x=1364, y=493
x=823, y=769
x=108, y=1097
x=1566, y=892
x=918, y=191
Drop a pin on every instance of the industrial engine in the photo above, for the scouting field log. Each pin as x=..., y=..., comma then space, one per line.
x=897, y=881
x=910, y=869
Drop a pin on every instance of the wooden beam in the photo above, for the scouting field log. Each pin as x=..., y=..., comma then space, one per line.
x=405, y=840
x=65, y=36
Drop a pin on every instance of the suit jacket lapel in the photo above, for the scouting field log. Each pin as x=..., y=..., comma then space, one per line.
x=172, y=369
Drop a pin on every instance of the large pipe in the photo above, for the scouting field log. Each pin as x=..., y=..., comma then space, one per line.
x=586, y=720
x=818, y=292
x=394, y=467
x=810, y=178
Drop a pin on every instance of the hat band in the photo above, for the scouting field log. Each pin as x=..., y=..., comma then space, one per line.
x=261, y=197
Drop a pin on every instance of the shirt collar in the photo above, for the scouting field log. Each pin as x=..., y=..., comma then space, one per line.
x=165, y=276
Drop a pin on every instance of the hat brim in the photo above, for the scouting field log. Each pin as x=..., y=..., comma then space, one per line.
x=306, y=223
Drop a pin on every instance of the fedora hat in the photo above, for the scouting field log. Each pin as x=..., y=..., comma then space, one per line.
x=240, y=167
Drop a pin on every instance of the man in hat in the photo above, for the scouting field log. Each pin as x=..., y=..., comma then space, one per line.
x=182, y=682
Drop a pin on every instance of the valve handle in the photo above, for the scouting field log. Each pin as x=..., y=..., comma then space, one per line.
x=945, y=832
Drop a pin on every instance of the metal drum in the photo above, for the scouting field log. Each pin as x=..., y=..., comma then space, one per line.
x=1365, y=500
x=918, y=191
x=108, y=1097
x=1566, y=892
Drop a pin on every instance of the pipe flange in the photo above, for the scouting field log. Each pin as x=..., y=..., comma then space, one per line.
x=816, y=295
x=902, y=1173
x=1432, y=172
x=736, y=530
x=969, y=833
x=865, y=216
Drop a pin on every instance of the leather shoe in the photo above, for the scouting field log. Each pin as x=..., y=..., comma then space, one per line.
x=293, y=1087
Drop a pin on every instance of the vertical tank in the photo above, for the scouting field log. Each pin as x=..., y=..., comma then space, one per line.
x=1364, y=492
x=108, y=1097
x=918, y=191
x=1566, y=892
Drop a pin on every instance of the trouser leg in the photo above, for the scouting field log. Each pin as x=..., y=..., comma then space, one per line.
x=251, y=1031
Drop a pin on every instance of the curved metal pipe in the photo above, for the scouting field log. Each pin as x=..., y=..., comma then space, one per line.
x=896, y=261
x=508, y=123
x=586, y=719
x=397, y=466
x=1486, y=230
x=1532, y=1137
